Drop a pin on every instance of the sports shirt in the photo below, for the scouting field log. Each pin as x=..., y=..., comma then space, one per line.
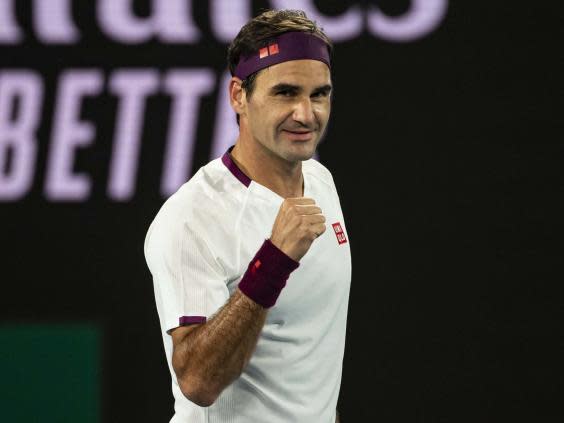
x=199, y=246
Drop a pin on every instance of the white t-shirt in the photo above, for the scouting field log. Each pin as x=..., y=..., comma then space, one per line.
x=198, y=248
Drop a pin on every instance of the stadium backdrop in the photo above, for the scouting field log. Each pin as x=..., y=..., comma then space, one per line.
x=108, y=106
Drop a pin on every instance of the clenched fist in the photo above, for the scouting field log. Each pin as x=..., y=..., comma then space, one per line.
x=298, y=223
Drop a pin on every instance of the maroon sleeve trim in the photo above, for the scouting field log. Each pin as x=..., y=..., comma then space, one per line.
x=190, y=320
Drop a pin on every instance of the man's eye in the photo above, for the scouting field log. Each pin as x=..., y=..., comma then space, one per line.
x=285, y=93
x=319, y=94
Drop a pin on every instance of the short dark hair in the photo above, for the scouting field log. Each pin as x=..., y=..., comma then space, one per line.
x=259, y=31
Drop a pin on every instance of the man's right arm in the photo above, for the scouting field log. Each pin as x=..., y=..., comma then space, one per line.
x=208, y=357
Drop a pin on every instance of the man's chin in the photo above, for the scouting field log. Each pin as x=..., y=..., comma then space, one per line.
x=300, y=154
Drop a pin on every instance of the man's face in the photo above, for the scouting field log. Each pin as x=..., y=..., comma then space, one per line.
x=288, y=110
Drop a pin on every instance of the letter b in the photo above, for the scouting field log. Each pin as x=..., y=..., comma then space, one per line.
x=18, y=143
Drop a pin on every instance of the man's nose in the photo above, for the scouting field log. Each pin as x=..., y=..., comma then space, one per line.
x=303, y=112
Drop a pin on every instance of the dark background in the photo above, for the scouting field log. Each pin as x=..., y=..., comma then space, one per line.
x=447, y=153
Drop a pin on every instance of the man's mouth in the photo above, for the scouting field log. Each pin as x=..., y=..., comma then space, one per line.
x=300, y=135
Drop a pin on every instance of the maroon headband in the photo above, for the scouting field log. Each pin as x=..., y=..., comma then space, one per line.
x=285, y=47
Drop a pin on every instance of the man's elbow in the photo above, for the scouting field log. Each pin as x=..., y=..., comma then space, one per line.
x=198, y=391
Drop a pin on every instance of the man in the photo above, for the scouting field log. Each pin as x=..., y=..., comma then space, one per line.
x=251, y=290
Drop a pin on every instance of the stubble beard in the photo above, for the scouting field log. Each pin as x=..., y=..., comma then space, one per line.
x=301, y=153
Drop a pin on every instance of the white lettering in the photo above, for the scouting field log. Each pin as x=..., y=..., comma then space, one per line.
x=186, y=87
x=338, y=28
x=171, y=21
x=175, y=23
x=132, y=86
x=10, y=33
x=228, y=16
x=69, y=133
x=53, y=21
x=17, y=134
x=423, y=17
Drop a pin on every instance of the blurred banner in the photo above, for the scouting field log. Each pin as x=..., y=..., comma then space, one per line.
x=85, y=74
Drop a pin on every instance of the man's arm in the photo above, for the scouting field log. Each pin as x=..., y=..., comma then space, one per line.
x=208, y=357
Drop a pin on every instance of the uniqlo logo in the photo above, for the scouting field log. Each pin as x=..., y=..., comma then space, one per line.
x=341, y=238
x=268, y=51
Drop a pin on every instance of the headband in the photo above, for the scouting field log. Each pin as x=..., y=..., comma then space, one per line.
x=285, y=47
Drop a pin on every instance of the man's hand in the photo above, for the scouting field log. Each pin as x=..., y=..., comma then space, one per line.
x=298, y=223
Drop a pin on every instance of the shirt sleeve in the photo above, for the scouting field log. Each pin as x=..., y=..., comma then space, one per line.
x=189, y=283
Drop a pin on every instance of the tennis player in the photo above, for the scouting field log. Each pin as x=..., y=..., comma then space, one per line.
x=250, y=258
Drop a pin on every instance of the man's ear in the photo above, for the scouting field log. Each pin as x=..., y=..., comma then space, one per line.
x=237, y=95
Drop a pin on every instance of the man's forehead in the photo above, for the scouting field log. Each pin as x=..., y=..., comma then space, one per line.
x=296, y=72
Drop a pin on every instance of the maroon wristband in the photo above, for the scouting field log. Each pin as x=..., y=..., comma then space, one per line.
x=267, y=274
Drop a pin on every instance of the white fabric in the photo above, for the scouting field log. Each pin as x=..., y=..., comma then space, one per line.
x=198, y=248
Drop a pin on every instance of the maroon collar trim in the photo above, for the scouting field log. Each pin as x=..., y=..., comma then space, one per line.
x=234, y=169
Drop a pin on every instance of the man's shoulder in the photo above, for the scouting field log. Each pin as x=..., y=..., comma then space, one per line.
x=317, y=170
x=209, y=194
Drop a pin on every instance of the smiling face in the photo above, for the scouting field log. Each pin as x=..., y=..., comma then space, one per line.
x=289, y=108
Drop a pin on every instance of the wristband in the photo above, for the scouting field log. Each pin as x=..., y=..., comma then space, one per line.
x=267, y=274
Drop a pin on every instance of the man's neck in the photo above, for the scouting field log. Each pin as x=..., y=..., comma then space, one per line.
x=280, y=176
